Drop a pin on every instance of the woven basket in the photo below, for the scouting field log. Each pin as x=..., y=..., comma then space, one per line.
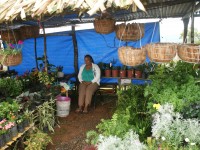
x=130, y=32
x=189, y=52
x=104, y=26
x=11, y=36
x=161, y=52
x=130, y=56
x=29, y=32
x=11, y=60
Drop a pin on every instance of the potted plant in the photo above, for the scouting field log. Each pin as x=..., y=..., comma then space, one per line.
x=130, y=72
x=107, y=70
x=11, y=55
x=139, y=71
x=123, y=71
x=37, y=140
x=115, y=71
x=60, y=74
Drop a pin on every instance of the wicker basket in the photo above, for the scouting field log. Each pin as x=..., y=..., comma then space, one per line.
x=189, y=52
x=11, y=36
x=130, y=56
x=29, y=32
x=104, y=26
x=11, y=60
x=130, y=32
x=161, y=52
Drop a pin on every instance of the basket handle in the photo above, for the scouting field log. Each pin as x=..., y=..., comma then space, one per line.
x=153, y=32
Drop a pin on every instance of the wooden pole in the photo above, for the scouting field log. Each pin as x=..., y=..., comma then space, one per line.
x=185, y=23
x=35, y=50
x=192, y=23
x=75, y=50
x=45, y=49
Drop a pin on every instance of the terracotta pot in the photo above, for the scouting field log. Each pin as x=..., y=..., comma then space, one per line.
x=122, y=73
x=107, y=73
x=138, y=74
x=115, y=73
x=130, y=73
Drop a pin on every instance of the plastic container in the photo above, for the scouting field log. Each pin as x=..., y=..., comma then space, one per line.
x=63, y=106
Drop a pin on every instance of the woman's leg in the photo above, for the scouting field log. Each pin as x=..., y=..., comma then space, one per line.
x=82, y=93
x=89, y=93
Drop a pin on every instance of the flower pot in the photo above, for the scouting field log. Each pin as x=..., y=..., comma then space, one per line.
x=14, y=131
x=138, y=74
x=130, y=73
x=115, y=73
x=2, y=141
x=20, y=127
x=7, y=137
x=60, y=74
x=107, y=73
x=122, y=73
x=25, y=123
x=46, y=129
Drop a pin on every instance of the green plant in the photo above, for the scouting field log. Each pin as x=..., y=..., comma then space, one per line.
x=11, y=49
x=59, y=68
x=107, y=66
x=46, y=115
x=46, y=78
x=115, y=67
x=123, y=67
x=37, y=140
x=10, y=87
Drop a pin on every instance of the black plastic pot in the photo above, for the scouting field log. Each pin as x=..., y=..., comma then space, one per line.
x=25, y=123
x=2, y=141
x=20, y=127
x=14, y=131
x=7, y=137
x=46, y=130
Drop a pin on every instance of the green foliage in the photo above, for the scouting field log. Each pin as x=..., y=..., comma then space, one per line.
x=10, y=87
x=37, y=140
x=175, y=83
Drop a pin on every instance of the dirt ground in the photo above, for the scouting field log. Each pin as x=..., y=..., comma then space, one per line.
x=72, y=131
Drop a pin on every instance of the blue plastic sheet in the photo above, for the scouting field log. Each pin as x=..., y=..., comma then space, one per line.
x=103, y=48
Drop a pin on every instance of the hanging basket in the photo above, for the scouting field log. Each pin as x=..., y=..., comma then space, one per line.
x=11, y=36
x=29, y=32
x=11, y=60
x=130, y=32
x=161, y=52
x=104, y=26
x=130, y=56
x=189, y=52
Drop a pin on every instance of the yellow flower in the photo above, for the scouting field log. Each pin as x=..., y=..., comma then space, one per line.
x=157, y=106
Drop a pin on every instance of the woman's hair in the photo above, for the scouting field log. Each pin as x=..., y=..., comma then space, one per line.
x=90, y=57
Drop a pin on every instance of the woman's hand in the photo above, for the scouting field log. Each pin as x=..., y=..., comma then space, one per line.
x=86, y=83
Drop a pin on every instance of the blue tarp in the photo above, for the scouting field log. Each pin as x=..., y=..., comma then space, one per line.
x=103, y=48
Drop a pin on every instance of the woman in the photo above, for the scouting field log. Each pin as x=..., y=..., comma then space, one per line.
x=89, y=78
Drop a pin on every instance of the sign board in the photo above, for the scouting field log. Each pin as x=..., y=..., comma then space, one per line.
x=125, y=81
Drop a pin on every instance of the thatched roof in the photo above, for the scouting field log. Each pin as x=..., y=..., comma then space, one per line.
x=23, y=9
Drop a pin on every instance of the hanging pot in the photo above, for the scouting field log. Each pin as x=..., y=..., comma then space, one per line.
x=189, y=52
x=161, y=52
x=130, y=56
x=11, y=35
x=29, y=32
x=104, y=26
x=11, y=60
x=130, y=32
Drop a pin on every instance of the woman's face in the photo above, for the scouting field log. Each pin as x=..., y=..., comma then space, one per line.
x=88, y=61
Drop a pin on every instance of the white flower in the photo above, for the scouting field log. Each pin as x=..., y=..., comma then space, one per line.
x=187, y=140
x=192, y=143
x=163, y=138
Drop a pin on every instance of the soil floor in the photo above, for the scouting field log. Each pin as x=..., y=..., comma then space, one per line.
x=71, y=132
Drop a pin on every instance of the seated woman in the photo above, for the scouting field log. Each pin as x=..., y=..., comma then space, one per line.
x=89, y=78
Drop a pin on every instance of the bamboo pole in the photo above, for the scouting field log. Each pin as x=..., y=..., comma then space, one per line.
x=185, y=23
x=45, y=48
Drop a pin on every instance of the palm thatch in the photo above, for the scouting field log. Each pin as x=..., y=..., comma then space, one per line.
x=23, y=9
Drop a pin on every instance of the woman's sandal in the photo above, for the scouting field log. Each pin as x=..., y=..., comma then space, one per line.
x=78, y=110
x=85, y=112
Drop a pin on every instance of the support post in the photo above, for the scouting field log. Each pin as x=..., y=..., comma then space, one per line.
x=45, y=49
x=75, y=50
x=185, y=23
x=35, y=50
x=192, y=23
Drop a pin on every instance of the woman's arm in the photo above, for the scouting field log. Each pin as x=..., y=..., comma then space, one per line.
x=97, y=73
x=80, y=73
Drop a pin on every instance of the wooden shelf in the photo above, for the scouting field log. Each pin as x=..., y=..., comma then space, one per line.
x=15, y=138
